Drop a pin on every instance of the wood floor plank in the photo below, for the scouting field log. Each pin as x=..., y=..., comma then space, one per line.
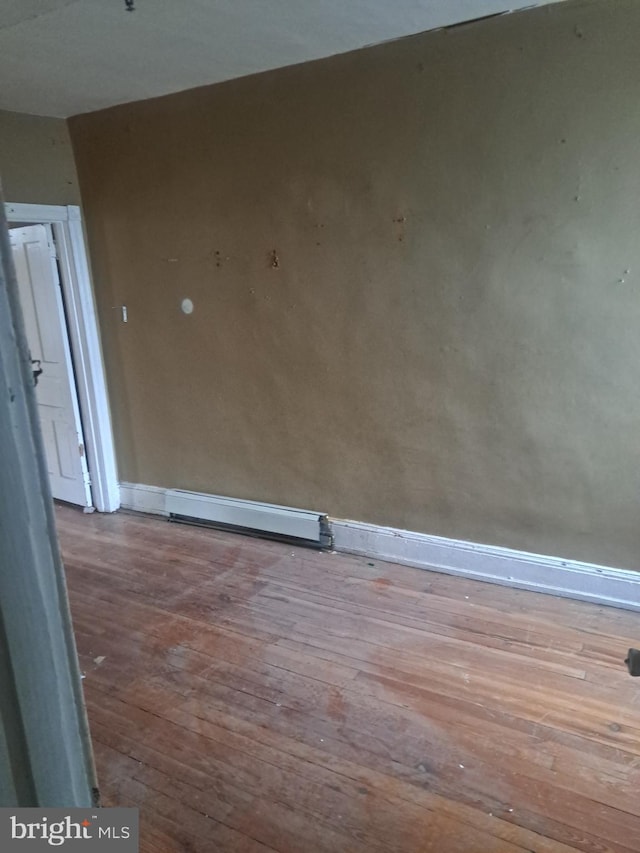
x=439, y=768
x=388, y=827
x=251, y=696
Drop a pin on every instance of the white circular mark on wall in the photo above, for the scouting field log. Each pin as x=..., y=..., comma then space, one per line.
x=187, y=306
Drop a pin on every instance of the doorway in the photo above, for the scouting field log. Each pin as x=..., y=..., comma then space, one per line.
x=59, y=313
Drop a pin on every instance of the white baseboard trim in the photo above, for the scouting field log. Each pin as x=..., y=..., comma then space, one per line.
x=552, y=575
x=567, y=578
x=151, y=499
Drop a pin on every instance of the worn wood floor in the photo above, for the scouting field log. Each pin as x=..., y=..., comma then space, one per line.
x=250, y=696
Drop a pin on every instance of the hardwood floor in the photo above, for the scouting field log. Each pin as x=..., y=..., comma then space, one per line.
x=251, y=696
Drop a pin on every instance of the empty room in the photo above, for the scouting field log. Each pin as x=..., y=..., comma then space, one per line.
x=320, y=490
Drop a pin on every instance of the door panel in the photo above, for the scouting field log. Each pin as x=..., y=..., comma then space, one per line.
x=42, y=307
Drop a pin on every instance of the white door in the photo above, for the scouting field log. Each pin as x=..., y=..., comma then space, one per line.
x=42, y=306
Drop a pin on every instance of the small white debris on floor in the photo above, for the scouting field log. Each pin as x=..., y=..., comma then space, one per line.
x=99, y=659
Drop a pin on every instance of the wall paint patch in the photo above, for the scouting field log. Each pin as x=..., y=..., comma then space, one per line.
x=187, y=306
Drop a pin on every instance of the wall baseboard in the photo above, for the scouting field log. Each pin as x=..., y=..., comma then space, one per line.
x=552, y=575
x=519, y=569
x=151, y=499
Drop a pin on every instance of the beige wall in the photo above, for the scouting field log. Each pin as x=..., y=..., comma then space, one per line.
x=450, y=341
x=36, y=160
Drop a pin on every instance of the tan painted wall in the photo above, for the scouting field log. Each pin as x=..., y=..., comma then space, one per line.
x=450, y=341
x=36, y=160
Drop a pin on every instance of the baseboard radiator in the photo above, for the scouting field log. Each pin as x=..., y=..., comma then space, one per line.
x=298, y=526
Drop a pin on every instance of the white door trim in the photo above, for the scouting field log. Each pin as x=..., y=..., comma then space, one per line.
x=85, y=343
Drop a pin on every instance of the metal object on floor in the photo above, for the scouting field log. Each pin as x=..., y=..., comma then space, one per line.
x=633, y=661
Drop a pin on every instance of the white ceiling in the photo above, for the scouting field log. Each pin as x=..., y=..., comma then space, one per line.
x=63, y=57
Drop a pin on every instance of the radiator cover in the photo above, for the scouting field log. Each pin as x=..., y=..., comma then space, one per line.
x=304, y=526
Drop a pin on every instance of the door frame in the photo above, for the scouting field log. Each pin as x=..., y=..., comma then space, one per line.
x=84, y=340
